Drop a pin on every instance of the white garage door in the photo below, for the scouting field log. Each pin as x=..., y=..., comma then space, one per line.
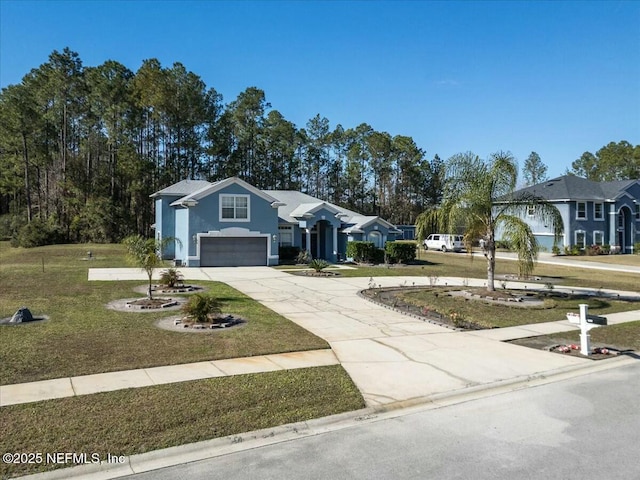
x=233, y=251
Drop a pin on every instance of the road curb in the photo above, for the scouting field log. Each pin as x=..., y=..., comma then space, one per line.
x=167, y=457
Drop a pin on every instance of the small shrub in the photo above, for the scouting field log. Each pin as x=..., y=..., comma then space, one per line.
x=457, y=319
x=202, y=307
x=171, y=277
x=318, y=264
x=555, y=250
x=636, y=248
x=303, y=257
x=598, y=250
x=400, y=252
x=606, y=249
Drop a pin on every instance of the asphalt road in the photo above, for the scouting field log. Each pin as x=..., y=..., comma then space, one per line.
x=586, y=427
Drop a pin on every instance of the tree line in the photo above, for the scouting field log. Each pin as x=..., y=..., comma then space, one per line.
x=82, y=148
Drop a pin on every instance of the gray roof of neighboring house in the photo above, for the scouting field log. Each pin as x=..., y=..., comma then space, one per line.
x=570, y=187
x=182, y=188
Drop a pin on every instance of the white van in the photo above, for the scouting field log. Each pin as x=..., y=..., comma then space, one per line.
x=446, y=243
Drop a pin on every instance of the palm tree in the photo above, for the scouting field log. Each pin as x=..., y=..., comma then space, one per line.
x=480, y=198
x=146, y=254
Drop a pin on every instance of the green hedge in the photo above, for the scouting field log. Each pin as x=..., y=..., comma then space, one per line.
x=400, y=252
x=361, y=251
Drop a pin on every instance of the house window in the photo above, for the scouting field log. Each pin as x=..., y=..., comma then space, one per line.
x=637, y=211
x=598, y=237
x=581, y=210
x=580, y=239
x=234, y=208
x=598, y=211
x=531, y=210
x=285, y=232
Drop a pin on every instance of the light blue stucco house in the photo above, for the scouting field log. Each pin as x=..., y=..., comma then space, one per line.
x=593, y=213
x=232, y=223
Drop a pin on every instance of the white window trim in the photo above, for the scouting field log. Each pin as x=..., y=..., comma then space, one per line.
x=594, y=237
x=531, y=211
x=578, y=217
x=575, y=238
x=234, y=196
x=287, y=229
x=595, y=217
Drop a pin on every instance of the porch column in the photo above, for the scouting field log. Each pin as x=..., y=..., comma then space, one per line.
x=308, y=232
x=613, y=226
x=335, y=243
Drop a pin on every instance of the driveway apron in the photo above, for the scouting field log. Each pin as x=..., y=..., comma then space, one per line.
x=391, y=357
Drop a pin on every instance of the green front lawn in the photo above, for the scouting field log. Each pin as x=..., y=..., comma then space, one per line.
x=139, y=420
x=84, y=337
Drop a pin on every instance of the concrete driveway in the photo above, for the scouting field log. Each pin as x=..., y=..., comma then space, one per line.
x=391, y=357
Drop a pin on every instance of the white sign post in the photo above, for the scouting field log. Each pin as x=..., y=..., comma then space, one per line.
x=586, y=322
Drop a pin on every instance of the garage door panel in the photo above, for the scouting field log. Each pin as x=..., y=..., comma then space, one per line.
x=233, y=251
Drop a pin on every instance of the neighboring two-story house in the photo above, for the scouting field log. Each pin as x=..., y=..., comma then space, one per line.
x=233, y=223
x=593, y=213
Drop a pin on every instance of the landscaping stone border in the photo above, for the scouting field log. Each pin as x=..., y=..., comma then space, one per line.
x=121, y=305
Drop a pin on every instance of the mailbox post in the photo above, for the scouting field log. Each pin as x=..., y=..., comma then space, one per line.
x=586, y=322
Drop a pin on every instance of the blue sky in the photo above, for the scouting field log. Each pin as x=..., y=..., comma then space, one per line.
x=558, y=78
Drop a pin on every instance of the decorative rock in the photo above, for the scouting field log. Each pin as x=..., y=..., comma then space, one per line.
x=22, y=315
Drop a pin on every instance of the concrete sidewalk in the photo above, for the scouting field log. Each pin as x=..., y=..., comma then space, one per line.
x=146, y=377
x=551, y=259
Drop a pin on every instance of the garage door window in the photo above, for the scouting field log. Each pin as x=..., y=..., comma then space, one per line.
x=234, y=208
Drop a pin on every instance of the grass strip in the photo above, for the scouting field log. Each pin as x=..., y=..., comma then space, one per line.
x=139, y=420
x=625, y=336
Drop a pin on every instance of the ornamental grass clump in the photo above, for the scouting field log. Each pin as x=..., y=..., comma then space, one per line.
x=171, y=277
x=318, y=264
x=202, y=308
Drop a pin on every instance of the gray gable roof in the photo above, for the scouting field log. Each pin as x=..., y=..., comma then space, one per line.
x=182, y=188
x=570, y=187
x=295, y=202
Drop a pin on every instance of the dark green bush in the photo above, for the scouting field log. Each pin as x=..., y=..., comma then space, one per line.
x=377, y=255
x=400, y=252
x=36, y=234
x=361, y=251
x=288, y=253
